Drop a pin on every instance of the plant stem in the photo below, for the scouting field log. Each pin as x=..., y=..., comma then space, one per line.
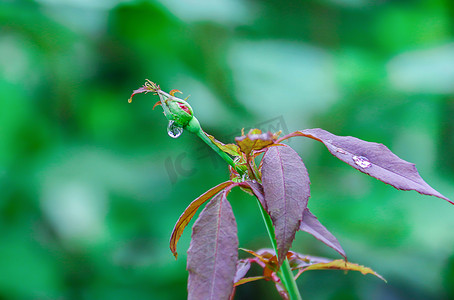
x=285, y=272
x=201, y=134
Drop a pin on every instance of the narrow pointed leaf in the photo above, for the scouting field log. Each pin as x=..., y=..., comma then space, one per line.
x=372, y=159
x=213, y=252
x=190, y=211
x=311, y=225
x=340, y=264
x=286, y=189
x=248, y=279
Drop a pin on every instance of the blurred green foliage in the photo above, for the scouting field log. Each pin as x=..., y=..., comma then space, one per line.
x=91, y=186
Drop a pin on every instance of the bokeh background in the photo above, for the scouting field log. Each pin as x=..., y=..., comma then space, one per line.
x=91, y=186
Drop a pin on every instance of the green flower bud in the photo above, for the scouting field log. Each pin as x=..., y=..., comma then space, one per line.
x=177, y=111
x=193, y=126
x=180, y=111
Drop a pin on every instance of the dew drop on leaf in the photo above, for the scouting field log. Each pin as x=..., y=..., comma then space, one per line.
x=174, y=130
x=362, y=161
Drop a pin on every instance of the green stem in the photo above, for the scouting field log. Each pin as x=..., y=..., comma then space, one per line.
x=201, y=134
x=285, y=273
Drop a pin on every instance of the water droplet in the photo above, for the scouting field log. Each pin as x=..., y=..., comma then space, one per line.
x=174, y=130
x=362, y=161
x=341, y=151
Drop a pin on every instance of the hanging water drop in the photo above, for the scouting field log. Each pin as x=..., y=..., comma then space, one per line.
x=174, y=130
x=362, y=161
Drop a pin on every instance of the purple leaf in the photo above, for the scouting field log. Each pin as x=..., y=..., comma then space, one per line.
x=311, y=225
x=372, y=159
x=286, y=188
x=213, y=252
x=190, y=211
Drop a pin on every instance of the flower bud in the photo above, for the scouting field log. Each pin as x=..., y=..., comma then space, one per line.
x=180, y=111
x=193, y=126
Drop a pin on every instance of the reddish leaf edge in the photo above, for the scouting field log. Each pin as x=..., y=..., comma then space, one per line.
x=248, y=279
x=340, y=264
x=213, y=252
x=301, y=133
x=190, y=211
